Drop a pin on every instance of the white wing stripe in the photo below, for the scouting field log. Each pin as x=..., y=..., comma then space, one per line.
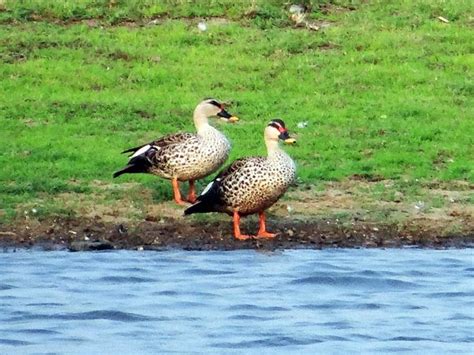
x=141, y=151
x=208, y=187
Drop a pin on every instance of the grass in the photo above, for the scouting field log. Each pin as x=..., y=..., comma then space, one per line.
x=386, y=89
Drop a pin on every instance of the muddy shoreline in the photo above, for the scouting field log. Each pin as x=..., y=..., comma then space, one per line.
x=93, y=234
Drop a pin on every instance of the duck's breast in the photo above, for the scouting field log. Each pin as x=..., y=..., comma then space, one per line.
x=204, y=158
x=259, y=185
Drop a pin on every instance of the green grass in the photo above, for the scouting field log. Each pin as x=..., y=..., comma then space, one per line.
x=387, y=88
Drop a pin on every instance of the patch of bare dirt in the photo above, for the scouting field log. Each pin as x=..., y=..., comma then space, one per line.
x=96, y=234
x=351, y=213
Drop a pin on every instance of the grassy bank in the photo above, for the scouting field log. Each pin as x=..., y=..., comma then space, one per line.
x=385, y=88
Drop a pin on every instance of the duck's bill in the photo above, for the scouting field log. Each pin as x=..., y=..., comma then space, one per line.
x=224, y=114
x=233, y=119
x=285, y=137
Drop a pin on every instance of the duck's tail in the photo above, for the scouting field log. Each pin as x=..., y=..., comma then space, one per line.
x=199, y=207
x=207, y=201
x=138, y=164
x=134, y=149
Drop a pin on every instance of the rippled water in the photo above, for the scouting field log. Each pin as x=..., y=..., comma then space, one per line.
x=301, y=301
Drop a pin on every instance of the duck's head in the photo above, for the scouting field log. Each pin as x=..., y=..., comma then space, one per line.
x=276, y=131
x=212, y=107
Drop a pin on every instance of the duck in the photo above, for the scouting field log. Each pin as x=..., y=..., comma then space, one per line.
x=184, y=156
x=251, y=185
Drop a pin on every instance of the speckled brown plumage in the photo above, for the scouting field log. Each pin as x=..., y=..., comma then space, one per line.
x=184, y=156
x=188, y=156
x=251, y=185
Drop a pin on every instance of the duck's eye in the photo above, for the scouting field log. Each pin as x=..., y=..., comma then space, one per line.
x=278, y=126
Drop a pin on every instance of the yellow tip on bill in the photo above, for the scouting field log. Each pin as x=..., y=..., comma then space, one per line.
x=290, y=141
x=233, y=119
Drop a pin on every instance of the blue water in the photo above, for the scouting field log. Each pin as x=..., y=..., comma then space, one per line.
x=301, y=301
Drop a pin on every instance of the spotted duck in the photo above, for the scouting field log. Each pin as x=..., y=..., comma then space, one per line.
x=184, y=156
x=251, y=185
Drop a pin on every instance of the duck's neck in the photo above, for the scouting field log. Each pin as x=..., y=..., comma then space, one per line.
x=201, y=122
x=273, y=148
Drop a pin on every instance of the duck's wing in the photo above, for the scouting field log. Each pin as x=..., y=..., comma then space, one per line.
x=211, y=195
x=162, y=142
x=233, y=168
x=176, y=138
x=158, y=152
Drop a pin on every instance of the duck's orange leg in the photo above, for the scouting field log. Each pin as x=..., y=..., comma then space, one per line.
x=176, y=192
x=237, y=233
x=262, y=230
x=192, y=192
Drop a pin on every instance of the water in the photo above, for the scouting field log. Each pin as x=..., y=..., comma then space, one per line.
x=302, y=301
